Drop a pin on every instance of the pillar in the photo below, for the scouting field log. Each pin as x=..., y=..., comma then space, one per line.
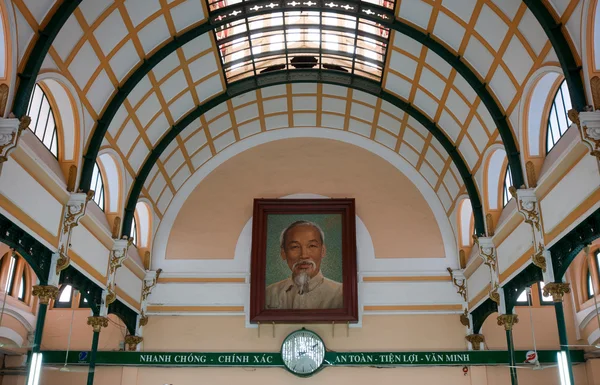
x=558, y=290
x=508, y=320
x=97, y=323
x=44, y=293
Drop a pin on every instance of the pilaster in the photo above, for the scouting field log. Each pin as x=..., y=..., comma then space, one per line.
x=588, y=123
x=487, y=252
x=528, y=206
x=148, y=285
x=73, y=212
x=460, y=283
x=10, y=133
x=118, y=255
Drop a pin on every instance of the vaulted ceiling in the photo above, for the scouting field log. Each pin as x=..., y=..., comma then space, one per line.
x=168, y=85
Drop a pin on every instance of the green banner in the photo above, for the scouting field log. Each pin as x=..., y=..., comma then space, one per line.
x=379, y=359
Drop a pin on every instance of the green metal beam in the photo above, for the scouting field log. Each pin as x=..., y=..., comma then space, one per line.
x=303, y=76
x=34, y=62
x=556, y=35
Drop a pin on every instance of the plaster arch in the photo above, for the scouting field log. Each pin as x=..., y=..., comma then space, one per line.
x=112, y=178
x=532, y=113
x=590, y=34
x=71, y=118
x=11, y=335
x=494, y=160
x=166, y=224
x=10, y=29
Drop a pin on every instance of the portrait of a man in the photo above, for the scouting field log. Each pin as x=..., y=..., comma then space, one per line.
x=302, y=246
x=303, y=261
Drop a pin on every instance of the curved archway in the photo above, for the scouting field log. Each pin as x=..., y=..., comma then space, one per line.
x=113, y=181
x=429, y=195
x=465, y=223
x=69, y=117
x=493, y=179
x=455, y=61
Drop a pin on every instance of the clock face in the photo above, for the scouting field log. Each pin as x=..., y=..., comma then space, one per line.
x=303, y=352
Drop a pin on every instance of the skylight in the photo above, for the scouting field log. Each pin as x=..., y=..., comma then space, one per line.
x=287, y=35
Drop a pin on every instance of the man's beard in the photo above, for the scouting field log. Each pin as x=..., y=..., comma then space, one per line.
x=302, y=279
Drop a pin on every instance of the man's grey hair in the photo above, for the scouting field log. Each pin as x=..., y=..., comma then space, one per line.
x=300, y=223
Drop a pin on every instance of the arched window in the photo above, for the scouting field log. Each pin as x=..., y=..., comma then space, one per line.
x=43, y=124
x=558, y=119
x=98, y=187
x=133, y=232
x=508, y=182
x=590, y=285
x=15, y=276
x=65, y=297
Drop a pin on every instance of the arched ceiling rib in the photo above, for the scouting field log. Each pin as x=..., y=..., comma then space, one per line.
x=28, y=75
x=243, y=111
x=118, y=36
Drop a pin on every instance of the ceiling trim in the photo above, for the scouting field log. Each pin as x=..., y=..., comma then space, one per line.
x=555, y=32
x=28, y=77
x=451, y=58
x=303, y=76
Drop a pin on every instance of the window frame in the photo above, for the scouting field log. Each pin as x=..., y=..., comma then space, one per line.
x=133, y=233
x=22, y=287
x=527, y=300
x=589, y=283
x=98, y=180
x=64, y=305
x=506, y=196
x=560, y=92
x=54, y=140
x=11, y=271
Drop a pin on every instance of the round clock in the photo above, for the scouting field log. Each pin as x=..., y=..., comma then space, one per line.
x=303, y=352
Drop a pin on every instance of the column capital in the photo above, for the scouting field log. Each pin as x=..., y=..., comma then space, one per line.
x=119, y=253
x=111, y=296
x=10, y=132
x=97, y=323
x=475, y=340
x=508, y=320
x=557, y=290
x=143, y=319
x=45, y=293
x=149, y=282
x=528, y=207
x=459, y=281
x=74, y=211
x=133, y=341
x=464, y=318
x=487, y=251
x=588, y=123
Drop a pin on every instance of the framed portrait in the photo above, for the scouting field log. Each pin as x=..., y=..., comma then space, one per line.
x=303, y=265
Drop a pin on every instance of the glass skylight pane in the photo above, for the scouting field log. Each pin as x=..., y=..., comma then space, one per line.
x=590, y=286
x=522, y=297
x=301, y=39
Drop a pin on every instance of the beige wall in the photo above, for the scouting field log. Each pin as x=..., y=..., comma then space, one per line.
x=393, y=210
x=56, y=331
x=379, y=333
